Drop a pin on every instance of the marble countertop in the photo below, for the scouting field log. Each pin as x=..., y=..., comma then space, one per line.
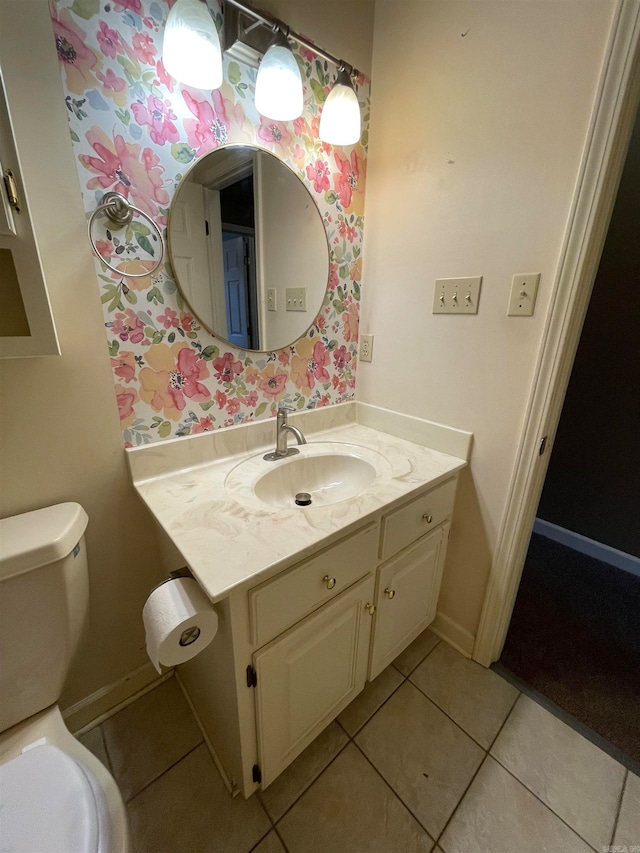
x=227, y=543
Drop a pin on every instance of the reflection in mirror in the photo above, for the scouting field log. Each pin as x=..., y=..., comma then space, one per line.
x=248, y=248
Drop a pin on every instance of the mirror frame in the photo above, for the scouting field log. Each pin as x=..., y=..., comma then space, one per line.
x=183, y=179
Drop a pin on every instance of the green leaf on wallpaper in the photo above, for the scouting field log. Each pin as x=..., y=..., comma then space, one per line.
x=164, y=429
x=233, y=73
x=206, y=406
x=155, y=296
x=338, y=305
x=148, y=330
x=356, y=290
x=124, y=116
x=145, y=244
x=85, y=8
x=343, y=272
x=261, y=408
x=332, y=345
x=158, y=337
x=318, y=91
x=330, y=197
x=172, y=337
x=209, y=352
x=131, y=297
x=74, y=136
x=137, y=228
x=192, y=335
x=114, y=346
x=340, y=292
x=364, y=139
x=182, y=152
x=300, y=403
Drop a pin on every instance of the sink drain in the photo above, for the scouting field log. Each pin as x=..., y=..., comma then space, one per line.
x=303, y=499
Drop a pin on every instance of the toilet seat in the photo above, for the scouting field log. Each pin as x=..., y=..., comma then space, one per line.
x=51, y=804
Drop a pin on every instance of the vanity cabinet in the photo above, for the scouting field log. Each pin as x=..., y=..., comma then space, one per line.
x=295, y=649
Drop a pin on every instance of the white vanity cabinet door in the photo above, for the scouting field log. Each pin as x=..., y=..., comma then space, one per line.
x=407, y=597
x=309, y=674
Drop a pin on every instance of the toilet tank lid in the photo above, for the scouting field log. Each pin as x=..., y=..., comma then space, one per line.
x=38, y=538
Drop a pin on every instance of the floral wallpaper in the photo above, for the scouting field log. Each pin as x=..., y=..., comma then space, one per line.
x=135, y=130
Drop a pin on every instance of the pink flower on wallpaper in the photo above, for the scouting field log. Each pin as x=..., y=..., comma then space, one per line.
x=350, y=323
x=128, y=326
x=319, y=175
x=346, y=180
x=274, y=134
x=163, y=77
x=109, y=41
x=118, y=167
x=233, y=406
x=169, y=319
x=274, y=382
x=203, y=425
x=308, y=364
x=124, y=366
x=284, y=357
x=78, y=60
x=105, y=248
x=186, y=321
x=211, y=125
x=144, y=48
x=334, y=278
x=221, y=399
x=132, y=5
x=158, y=116
x=251, y=399
x=341, y=357
x=226, y=369
x=111, y=81
x=173, y=373
x=126, y=399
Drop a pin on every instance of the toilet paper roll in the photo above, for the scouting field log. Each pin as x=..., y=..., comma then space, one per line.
x=179, y=622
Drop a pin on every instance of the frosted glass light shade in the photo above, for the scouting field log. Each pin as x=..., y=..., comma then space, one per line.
x=340, y=118
x=279, y=84
x=191, y=50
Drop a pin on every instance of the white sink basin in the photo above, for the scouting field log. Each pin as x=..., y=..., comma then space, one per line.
x=329, y=472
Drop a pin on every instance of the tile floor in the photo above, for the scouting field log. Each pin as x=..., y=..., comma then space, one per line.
x=437, y=754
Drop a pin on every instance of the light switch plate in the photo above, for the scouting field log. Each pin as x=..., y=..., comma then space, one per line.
x=457, y=295
x=271, y=299
x=296, y=298
x=524, y=289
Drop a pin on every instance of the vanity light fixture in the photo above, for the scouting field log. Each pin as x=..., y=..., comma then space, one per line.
x=279, y=93
x=191, y=51
x=340, y=117
x=192, y=55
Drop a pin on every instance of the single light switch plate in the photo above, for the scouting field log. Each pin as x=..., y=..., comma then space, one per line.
x=271, y=299
x=296, y=298
x=366, y=347
x=457, y=295
x=524, y=289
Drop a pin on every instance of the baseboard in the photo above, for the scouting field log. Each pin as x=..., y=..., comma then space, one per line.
x=452, y=633
x=111, y=698
x=604, y=553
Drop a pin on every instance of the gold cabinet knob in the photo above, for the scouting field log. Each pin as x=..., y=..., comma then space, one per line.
x=390, y=593
x=428, y=517
x=329, y=582
x=370, y=608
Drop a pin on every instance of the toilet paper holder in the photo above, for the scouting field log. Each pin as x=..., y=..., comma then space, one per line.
x=189, y=635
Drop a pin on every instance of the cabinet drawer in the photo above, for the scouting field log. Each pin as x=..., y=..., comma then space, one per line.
x=282, y=601
x=416, y=518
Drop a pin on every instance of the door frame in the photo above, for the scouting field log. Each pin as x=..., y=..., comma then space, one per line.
x=616, y=104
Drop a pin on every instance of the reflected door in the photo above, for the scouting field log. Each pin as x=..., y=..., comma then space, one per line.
x=236, y=291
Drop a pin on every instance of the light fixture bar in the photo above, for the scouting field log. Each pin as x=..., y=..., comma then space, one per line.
x=275, y=24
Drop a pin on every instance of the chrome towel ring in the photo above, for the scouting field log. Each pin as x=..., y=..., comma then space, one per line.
x=116, y=207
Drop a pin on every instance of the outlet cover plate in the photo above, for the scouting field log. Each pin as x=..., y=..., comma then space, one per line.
x=522, y=299
x=457, y=295
x=366, y=347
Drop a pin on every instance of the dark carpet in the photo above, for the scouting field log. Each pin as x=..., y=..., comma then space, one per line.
x=575, y=637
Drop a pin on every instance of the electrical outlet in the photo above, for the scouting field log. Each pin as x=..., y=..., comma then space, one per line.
x=457, y=295
x=296, y=298
x=524, y=289
x=271, y=299
x=366, y=347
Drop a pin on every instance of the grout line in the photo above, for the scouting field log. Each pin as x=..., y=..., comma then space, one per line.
x=504, y=723
x=542, y=802
x=166, y=770
x=261, y=839
x=420, y=662
x=394, y=792
x=617, y=817
x=275, y=829
x=371, y=716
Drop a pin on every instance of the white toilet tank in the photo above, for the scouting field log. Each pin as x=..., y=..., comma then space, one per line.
x=44, y=595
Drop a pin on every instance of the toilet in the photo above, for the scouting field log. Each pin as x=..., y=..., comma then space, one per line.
x=55, y=796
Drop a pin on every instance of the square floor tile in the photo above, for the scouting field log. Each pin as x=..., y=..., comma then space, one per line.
x=286, y=789
x=578, y=781
x=425, y=757
x=148, y=736
x=476, y=698
x=94, y=741
x=499, y=815
x=189, y=809
x=271, y=844
x=350, y=809
x=415, y=653
x=628, y=829
x=365, y=705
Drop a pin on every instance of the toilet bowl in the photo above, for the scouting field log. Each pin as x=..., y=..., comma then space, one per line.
x=55, y=795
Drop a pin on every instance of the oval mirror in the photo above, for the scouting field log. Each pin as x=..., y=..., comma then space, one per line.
x=248, y=248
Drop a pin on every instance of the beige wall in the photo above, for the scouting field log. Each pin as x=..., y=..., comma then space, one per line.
x=60, y=437
x=479, y=117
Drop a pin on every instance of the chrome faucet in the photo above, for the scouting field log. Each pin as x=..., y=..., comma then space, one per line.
x=282, y=428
